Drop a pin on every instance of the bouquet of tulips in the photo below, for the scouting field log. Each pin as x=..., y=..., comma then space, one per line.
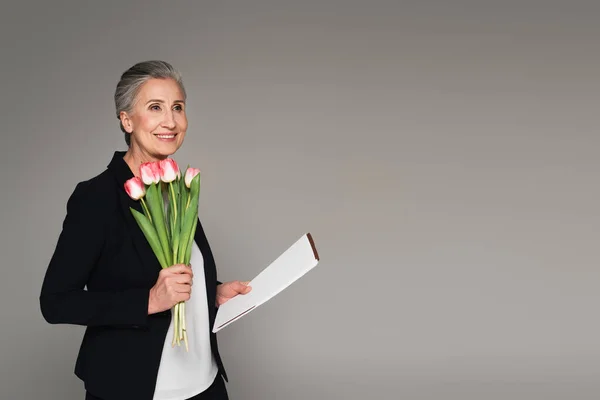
x=169, y=220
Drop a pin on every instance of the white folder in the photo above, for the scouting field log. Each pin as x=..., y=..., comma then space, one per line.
x=292, y=264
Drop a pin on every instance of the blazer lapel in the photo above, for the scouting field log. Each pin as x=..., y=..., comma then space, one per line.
x=210, y=272
x=122, y=173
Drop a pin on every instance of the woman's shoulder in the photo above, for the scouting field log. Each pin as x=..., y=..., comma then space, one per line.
x=99, y=192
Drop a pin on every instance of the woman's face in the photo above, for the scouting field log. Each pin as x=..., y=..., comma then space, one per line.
x=158, y=122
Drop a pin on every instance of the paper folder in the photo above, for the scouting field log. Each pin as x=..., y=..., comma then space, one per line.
x=292, y=264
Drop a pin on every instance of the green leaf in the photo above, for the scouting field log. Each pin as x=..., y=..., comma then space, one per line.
x=175, y=217
x=161, y=186
x=155, y=205
x=171, y=209
x=169, y=216
x=188, y=254
x=183, y=191
x=190, y=216
x=150, y=235
x=182, y=200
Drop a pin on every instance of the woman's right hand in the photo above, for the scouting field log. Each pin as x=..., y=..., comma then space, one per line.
x=174, y=284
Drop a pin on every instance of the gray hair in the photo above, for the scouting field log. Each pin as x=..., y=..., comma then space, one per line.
x=131, y=81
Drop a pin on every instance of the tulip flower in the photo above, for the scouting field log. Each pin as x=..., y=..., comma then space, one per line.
x=168, y=170
x=150, y=172
x=190, y=173
x=135, y=188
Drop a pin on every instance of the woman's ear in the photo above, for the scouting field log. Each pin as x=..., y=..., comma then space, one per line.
x=126, y=122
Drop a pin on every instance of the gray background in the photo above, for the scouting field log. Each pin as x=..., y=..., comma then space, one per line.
x=442, y=153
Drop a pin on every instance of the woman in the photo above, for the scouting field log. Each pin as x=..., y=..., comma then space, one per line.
x=104, y=275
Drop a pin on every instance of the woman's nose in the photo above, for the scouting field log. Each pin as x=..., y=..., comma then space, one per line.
x=169, y=120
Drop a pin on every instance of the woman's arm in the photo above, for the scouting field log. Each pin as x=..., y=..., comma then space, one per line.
x=63, y=299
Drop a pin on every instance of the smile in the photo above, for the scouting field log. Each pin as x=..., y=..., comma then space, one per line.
x=166, y=136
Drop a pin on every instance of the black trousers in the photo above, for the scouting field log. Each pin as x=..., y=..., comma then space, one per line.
x=216, y=391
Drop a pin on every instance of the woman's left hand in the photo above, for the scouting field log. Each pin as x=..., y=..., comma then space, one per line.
x=229, y=290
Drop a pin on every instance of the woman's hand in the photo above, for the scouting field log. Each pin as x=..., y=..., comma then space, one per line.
x=174, y=284
x=229, y=290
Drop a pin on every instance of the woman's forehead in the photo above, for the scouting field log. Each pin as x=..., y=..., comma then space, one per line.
x=161, y=89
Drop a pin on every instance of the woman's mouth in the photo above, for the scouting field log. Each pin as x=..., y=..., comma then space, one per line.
x=166, y=136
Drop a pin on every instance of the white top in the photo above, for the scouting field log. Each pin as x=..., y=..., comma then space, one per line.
x=182, y=374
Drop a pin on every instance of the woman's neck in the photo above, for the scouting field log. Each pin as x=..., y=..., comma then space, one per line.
x=134, y=158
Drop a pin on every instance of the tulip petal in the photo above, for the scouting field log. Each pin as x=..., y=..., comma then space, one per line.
x=150, y=172
x=135, y=188
x=190, y=173
x=168, y=170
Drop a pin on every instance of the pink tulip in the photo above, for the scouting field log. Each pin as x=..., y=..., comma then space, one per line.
x=150, y=172
x=190, y=173
x=168, y=170
x=135, y=188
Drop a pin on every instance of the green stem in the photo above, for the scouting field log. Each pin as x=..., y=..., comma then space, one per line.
x=145, y=207
x=174, y=223
x=175, y=322
x=174, y=203
x=179, y=325
x=183, y=329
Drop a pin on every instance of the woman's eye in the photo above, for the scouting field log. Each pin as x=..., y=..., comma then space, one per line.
x=155, y=107
x=178, y=108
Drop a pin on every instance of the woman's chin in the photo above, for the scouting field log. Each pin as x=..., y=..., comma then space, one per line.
x=167, y=149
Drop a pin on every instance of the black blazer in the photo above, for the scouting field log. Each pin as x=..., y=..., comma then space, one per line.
x=102, y=247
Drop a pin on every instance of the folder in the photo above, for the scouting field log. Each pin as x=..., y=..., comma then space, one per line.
x=291, y=265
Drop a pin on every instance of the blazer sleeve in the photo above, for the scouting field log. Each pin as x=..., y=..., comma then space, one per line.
x=63, y=298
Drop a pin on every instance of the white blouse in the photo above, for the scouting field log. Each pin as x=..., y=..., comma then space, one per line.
x=182, y=374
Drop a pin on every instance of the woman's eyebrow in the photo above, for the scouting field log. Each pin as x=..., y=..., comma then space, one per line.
x=162, y=101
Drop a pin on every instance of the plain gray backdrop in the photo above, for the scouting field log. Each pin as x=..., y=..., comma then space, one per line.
x=444, y=155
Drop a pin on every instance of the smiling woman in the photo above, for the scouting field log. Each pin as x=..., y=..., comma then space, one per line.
x=104, y=275
x=151, y=110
